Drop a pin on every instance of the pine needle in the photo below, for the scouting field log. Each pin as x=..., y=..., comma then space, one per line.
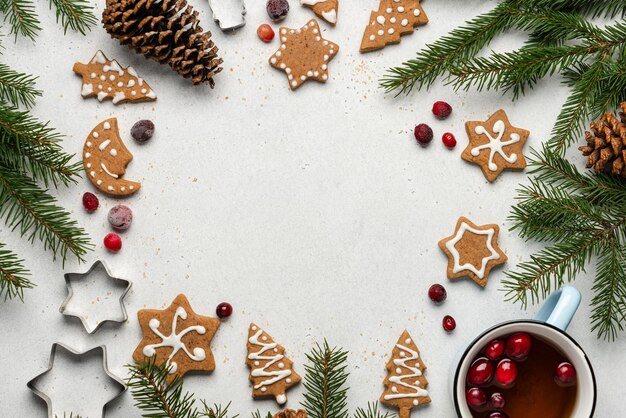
x=21, y=16
x=18, y=89
x=372, y=411
x=13, y=278
x=75, y=14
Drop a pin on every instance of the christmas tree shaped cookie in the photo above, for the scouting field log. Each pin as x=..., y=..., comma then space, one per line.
x=393, y=19
x=107, y=79
x=271, y=373
x=405, y=384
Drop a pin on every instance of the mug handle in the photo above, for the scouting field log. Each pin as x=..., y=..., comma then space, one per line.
x=559, y=309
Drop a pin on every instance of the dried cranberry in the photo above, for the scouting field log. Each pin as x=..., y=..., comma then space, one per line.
x=480, y=372
x=441, y=110
x=120, y=217
x=142, y=130
x=423, y=133
x=437, y=293
x=90, y=202
x=277, y=9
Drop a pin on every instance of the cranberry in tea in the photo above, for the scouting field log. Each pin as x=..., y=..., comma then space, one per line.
x=480, y=372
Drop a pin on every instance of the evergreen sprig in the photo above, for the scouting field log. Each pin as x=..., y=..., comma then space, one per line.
x=158, y=399
x=325, y=393
x=581, y=216
x=372, y=411
x=71, y=14
x=13, y=275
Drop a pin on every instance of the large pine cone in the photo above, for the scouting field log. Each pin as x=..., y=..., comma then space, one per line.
x=166, y=31
x=606, y=144
x=290, y=413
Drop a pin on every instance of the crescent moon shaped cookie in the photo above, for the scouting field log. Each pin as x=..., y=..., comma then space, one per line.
x=105, y=158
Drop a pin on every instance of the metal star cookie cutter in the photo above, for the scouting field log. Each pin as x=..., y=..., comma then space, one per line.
x=223, y=14
x=79, y=356
x=69, y=277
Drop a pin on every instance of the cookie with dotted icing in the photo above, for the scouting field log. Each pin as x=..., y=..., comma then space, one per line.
x=495, y=145
x=105, y=158
x=108, y=80
x=472, y=251
x=177, y=337
x=303, y=54
x=393, y=19
x=271, y=372
x=324, y=9
x=405, y=384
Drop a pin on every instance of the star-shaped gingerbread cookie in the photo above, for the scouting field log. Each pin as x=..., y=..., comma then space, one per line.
x=472, y=251
x=303, y=54
x=178, y=337
x=495, y=145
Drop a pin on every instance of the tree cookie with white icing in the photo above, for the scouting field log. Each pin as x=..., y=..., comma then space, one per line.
x=472, y=251
x=108, y=80
x=178, y=337
x=405, y=384
x=324, y=9
x=271, y=373
x=495, y=145
x=393, y=19
x=105, y=158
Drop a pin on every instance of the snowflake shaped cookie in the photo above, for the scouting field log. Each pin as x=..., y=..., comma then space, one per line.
x=178, y=337
x=303, y=54
x=495, y=145
x=472, y=251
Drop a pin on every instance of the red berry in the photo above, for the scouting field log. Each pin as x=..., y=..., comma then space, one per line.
x=120, y=217
x=480, y=372
x=496, y=401
x=449, y=324
x=498, y=414
x=518, y=346
x=142, y=130
x=565, y=374
x=423, y=133
x=90, y=202
x=476, y=399
x=113, y=242
x=448, y=140
x=441, y=110
x=506, y=373
x=265, y=32
x=494, y=349
x=224, y=310
x=437, y=293
x=277, y=9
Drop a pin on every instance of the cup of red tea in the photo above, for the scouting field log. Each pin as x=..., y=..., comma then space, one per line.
x=527, y=368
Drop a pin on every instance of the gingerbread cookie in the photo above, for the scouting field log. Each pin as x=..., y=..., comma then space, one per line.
x=178, y=337
x=393, y=19
x=325, y=9
x=105, y=158
x=472, y=251
x=495, y=145
x=405, y=384
x=271, y=373
x=303, y=54
x=107, y=79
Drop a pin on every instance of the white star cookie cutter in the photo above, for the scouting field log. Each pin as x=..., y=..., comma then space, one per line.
x=112, y=382
x=229, y=15
x=93, y=324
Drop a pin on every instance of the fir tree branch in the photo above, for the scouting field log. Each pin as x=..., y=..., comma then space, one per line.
x=372, y=411
x=32, y=211
x=21, y=16
x=324, y=383
x=13, y=278
x=18, y=89
x=257, y=414
x=75, y=14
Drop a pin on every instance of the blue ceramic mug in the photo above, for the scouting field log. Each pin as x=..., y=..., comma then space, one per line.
x=549, y=325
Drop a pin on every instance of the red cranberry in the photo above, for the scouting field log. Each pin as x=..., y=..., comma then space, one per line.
x=480, y=372
x=437, y=293
x=506, y=373
x=449, y=324
x=494, y=349
x=518, y=346
x=441, y=110
x=120, y=217
x=224, y=310
x=265, y=32
x=277, y=9
x=142, y=130
x=565, y=374
x=496, y=401
x=448, y=140
x=90, y=202
x=498, y=414
x=423, y=133
x=113, y=242
x=476, y=399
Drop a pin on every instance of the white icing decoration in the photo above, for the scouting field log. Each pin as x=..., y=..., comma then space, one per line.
x=450, y=245
x=113, y=152
x=123, y=188
x=392, y=20
x=372, y=37
x=104, y=144
x=106, y=125
x=99, y=58
x=389, y=10
x=120, y=84
x=87, y=90
x=110, y=188
x=87, y=155
x=106, y=170
x=102, y=95
x=404, y=22
x=109, y=89
x=131, y=83
x=381, y=32
x=174, y=340
x=400, y=9
x=88, y=143
x=131, y=187
x=102, y=78
x=273, y=60
x=119, y=96
x=144, y=91
x=274, y=376
x=324, y=77
x=92, y=174
x=414, y=372
x=380, y=20
x=495, y=145
x=416, y=12
x=95, y=135
x=112, y=77
x=311, y=2
x=133, y=93
x=99, y=182
x=391, y=31
x=151, y=95
x=281, y=399
x=94, y=75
